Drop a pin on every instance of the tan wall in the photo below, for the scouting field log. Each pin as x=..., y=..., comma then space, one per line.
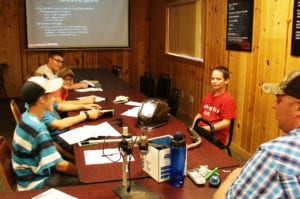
x=269, y=60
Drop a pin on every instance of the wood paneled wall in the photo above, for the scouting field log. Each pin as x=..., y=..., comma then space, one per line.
x=269, y=60
x=23, y=63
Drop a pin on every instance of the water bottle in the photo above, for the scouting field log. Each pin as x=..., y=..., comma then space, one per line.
x=178, y=156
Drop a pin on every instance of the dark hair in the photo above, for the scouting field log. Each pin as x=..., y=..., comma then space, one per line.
x=53, y=53
x=223, y=70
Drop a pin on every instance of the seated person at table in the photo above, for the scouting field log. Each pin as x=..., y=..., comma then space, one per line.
x=57, y=125
x=62, y=94
x=55, y=62
x=217, y=106
x=35, y=160
x=273, y=171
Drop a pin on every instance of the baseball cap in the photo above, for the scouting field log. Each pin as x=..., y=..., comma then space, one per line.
x=37, y=86
x=290, y=85
x=64, y=72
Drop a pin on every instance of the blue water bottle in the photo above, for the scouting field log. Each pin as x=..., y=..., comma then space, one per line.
x=178, y=156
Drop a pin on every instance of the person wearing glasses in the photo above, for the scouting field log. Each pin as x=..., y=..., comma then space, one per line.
x=273, y=171
x=55, y=63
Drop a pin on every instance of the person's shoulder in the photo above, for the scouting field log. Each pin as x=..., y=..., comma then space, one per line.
x=32, y=122
x=42, y=67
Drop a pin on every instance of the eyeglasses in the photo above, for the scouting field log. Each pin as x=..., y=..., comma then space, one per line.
x=58, y=61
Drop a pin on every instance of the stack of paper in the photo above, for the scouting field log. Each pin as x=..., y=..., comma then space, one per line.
x=89, y=131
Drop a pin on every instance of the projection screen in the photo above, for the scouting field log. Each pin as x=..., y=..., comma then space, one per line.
x=77, y=24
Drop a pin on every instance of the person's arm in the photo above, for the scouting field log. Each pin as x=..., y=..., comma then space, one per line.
x=77, y=85
x=225, y=123
x=65, y=106
x=195, y=119
x=66, y=167
x=63, y=152
x=221, y=191
x=67, y=122
x=87, y=100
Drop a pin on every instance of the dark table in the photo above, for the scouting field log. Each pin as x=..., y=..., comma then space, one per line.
x=102, y=179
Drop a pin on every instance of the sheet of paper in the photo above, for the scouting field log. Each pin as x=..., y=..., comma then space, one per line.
x=89, y=131
x=97, y=98
x=133, y=103
x=52, y=194
x=88, y=89
x=105, y=156
x=133, y=112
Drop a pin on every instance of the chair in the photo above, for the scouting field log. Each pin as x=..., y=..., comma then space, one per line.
x=3, y=67
x=6, y=172
x=173, y=101
x=210, y=137
x=163, y=86
x=116, y=70
x=147, y=84
x=15, y=110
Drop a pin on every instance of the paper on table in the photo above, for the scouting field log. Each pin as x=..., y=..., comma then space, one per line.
x=88, y=89
x=89, y=131
x=133, y=112
x=98, y=98
x=53, y=193
x=133, y=103
x=105, y=156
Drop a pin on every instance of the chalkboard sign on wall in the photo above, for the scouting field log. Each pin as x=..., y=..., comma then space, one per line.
x=296, y=29
x=239, y=25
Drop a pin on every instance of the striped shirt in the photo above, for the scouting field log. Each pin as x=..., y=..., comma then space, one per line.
x=273, y=171
x=33, y=153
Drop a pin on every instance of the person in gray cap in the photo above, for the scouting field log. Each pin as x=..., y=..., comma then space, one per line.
x=274, y=170
x=35, y=160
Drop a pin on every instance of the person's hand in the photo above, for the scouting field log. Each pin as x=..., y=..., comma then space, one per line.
x=190, y=128
x=82, y=84
x=94, y=114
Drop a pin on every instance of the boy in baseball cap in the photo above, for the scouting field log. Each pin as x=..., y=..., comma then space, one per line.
x=36, y=161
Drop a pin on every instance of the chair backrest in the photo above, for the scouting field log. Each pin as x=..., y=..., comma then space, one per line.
x=15, y=110
x=163, y=86
x=6, y=171
x=147, y=84
x=210, y=137
x=173, y=101
x=230, y=132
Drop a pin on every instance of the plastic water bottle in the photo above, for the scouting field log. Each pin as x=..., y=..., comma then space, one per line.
x=178, y=156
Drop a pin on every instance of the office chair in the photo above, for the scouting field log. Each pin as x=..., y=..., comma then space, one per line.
x=163, y=86
x=173, y=101
x=210, y=137
x=6, y=172
x=15, y=110
x=147, y=84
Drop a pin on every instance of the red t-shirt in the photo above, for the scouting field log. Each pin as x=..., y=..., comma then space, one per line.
x=216, y=108
x=62, y=94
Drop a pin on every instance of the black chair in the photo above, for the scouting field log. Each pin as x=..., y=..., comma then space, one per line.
x=173, y=101
x=210, y=136
x=116, y=70
x=163, y=86
x=147, y=84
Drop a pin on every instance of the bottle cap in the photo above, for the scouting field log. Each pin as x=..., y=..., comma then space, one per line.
x=178, y=136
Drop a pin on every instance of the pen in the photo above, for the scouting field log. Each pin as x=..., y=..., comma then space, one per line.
x=210, y=173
